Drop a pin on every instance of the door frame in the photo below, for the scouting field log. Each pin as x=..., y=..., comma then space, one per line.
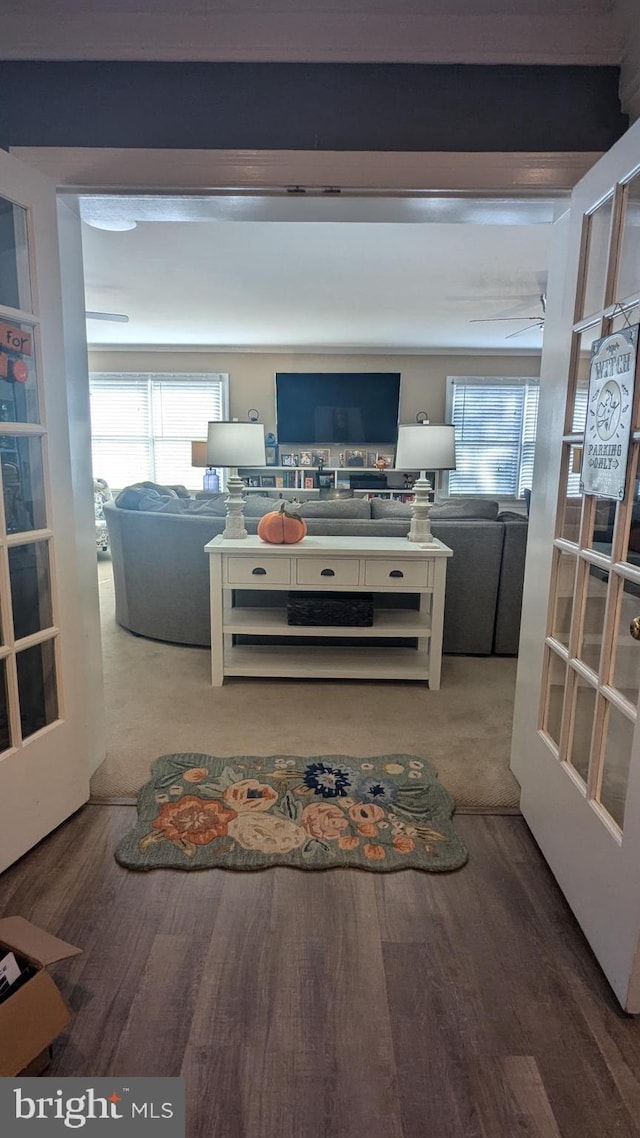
x=121, y=170
x=81, y=170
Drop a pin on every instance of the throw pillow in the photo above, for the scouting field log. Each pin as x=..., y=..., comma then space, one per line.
x=175, y=491
x=129, y=498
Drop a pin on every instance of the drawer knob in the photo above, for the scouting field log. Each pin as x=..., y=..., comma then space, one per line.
x=259, y=572
x=396, y=573
x=327, y=573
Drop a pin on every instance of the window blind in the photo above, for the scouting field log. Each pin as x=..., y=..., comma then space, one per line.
x=495, y=423
x=142, y=424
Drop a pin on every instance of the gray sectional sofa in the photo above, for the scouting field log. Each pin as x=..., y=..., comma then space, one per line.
x=161, y=573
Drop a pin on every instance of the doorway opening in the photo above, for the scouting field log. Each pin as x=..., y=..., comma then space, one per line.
x=247, y=285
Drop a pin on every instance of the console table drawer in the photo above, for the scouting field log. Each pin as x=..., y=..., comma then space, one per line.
x=401, y=573
x=327, y=571
x=256, y=570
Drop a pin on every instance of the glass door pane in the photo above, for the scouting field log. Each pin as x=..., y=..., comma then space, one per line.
x=554, y=696
x=626, y=660
x=22, y=483
x=30, y=581
x=598, y=232
x=617, y=757
x=564, y=593
x=37, y=687
x=15, y=288
x=629, y=270
x=583, y=715
x=593, y=619
x=18, y=379
x=5, y=734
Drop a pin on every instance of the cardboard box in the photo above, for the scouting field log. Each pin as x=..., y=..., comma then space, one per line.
x=36, y=1013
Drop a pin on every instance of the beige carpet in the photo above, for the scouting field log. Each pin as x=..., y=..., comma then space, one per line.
x=159, y=700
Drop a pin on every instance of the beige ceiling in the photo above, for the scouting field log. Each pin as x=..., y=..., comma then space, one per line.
x=251, y=273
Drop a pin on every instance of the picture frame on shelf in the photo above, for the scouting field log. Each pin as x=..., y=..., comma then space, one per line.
x=354, y=458
x=289, y=458
x=279, y=481
x=271, y=452
x=321, y=457
x=253, y=481
x=371, y=457
x=308, y=482
x=268, y=481
x=306, y=458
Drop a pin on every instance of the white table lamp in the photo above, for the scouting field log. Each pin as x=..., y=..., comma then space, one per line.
x=233, y=445
x=424, y=446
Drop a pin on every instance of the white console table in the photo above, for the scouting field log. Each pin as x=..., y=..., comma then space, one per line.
x=349, y=564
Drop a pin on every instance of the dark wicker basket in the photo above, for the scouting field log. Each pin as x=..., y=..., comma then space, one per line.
x=336, y=609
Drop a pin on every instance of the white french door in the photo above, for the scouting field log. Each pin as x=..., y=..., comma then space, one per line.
x=43, y=728
x=576, y=740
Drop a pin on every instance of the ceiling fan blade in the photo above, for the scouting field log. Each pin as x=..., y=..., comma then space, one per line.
x=496, y=319
x=531, y=328
x=116, y=317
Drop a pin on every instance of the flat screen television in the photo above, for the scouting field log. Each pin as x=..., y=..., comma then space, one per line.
x=338, y=407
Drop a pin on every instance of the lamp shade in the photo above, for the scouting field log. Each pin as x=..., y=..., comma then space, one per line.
x=425, y=446
x=236, y=444
x=199, y=452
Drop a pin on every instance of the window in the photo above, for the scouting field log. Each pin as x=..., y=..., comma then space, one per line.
x=142, y=425
x=495, y=421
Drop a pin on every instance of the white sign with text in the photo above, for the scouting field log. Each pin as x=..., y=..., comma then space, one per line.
x=609, y=406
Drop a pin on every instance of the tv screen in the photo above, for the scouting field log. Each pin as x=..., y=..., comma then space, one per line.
x=338, y=407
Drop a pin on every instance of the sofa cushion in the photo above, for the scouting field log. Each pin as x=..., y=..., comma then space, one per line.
x=451, y=508
x=389, y=508
x=336, y=508
x=465, y=508
x=257, y=505
x=163, y=503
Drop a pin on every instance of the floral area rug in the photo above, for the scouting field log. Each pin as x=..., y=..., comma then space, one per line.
x=328, y=811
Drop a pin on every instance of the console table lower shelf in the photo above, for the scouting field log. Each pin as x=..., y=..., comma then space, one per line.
x=328, y=564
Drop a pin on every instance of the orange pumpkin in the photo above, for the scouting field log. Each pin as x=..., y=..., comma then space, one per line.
x=281, y=528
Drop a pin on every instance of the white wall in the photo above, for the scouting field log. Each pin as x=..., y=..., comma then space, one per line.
x=628, y=29
x=251, y=374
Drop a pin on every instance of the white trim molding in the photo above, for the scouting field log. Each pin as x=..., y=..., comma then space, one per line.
x=356, y=31
x=121, y=169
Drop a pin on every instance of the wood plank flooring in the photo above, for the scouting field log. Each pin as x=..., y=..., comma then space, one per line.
x=341, y=1003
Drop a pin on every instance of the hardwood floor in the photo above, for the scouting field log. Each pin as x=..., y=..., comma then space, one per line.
x=341, y=1003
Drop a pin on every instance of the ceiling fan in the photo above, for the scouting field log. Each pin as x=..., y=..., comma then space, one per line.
x=537, y=321
x=116, y=317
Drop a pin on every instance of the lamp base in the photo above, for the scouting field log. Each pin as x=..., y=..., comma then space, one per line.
x=234, y=521
x=420, y=529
